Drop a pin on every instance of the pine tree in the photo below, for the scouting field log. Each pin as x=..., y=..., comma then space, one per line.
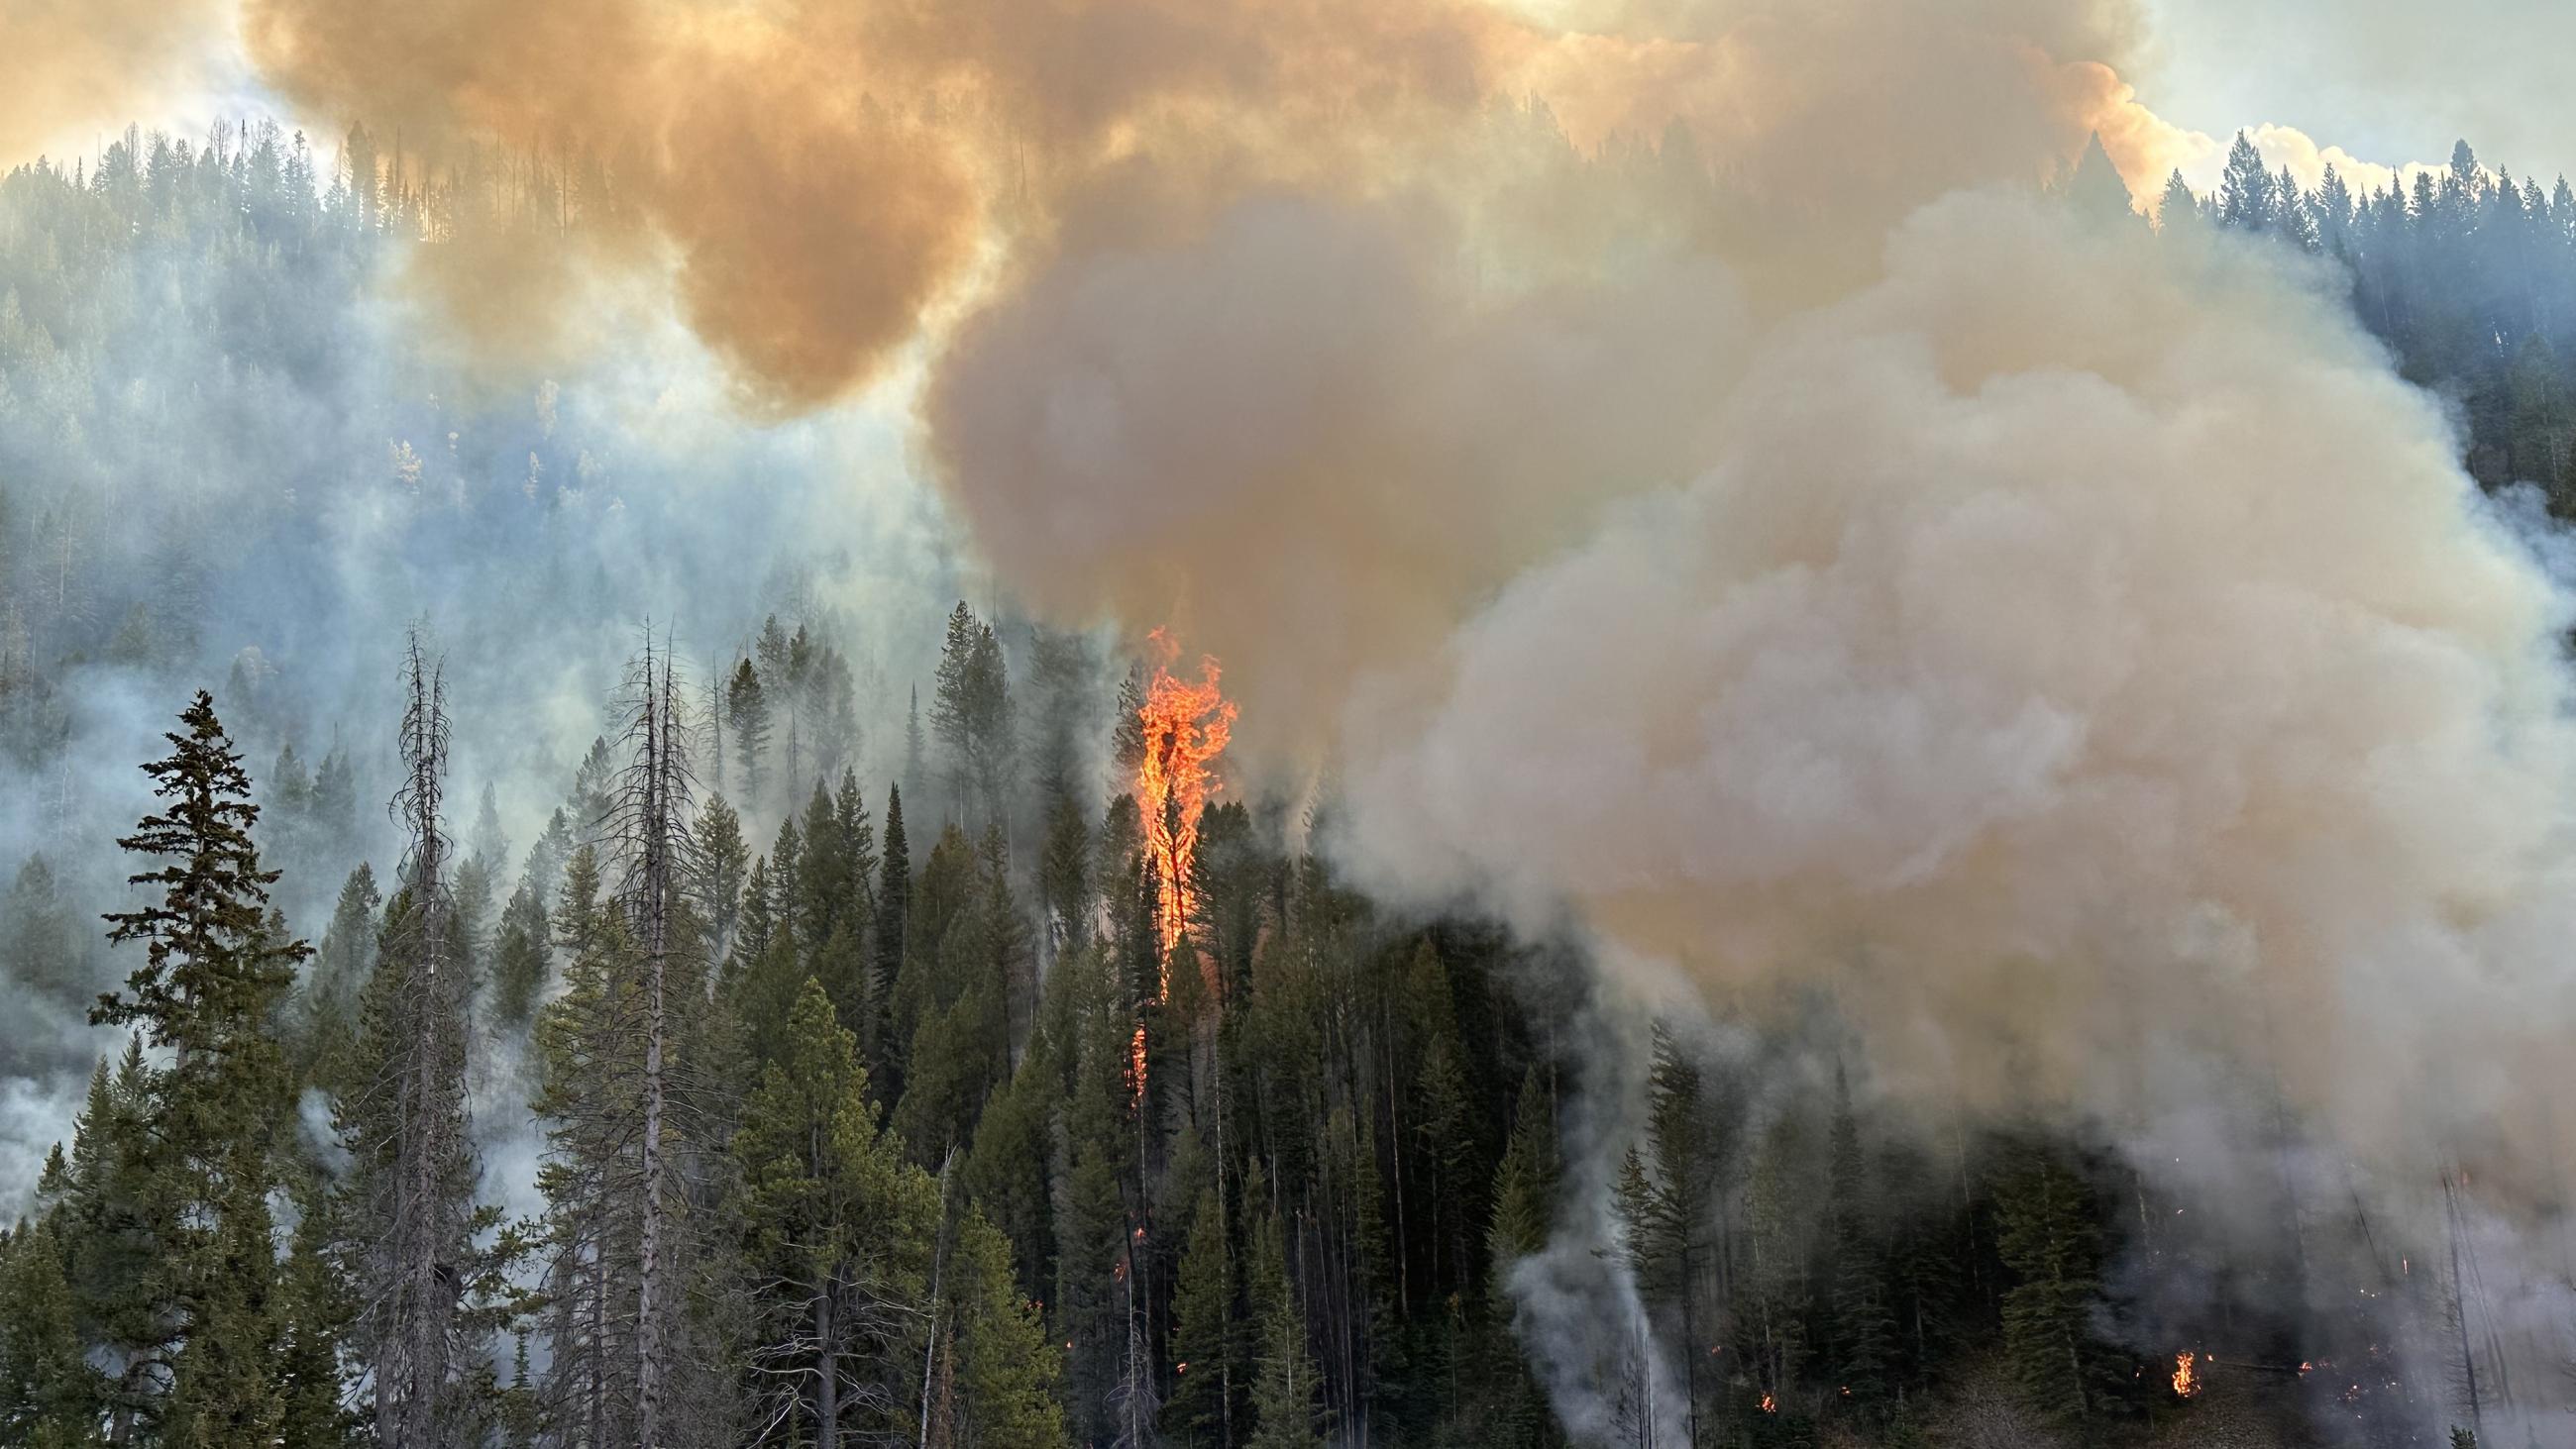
x=891, y=931
x=1006, y=1371
x=40, y=945
x=405, y=1124
x=216, y=967
x=328, y=1000
x=970, y=715
x=121, y=1232
x=1283, y=1386
x=1064, y=875
x=717, y=862
x=1093, y=1238
x=1006, y=1168
x=838, y=1232
x=1204, y=1331
x=952, y=702
x=1864, y=1330
x=316, y=1319
x=2245, y=189
x=49, y=1394
x=2047, y=1238
x=586, y=1100
x=912, y=741
x=520, y=962
x=2095, y=189
x=747, y=706
x=2177, y=210
x=1525, y=1184
x=2290, y=215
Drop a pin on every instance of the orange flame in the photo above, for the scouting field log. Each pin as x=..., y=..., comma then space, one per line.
x=1770, y=1405
x=2186, y=1375
x=1186, y=727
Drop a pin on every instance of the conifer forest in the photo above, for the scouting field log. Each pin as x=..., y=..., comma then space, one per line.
x=1265, y=724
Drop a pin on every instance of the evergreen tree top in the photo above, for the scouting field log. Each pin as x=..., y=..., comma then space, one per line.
x=209, y=954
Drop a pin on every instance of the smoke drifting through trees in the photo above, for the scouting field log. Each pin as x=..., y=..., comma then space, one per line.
x=2025, y=630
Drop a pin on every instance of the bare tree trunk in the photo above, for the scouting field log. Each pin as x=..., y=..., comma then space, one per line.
x=653, y=915
x=827, y=1392
x=938, y=1262
x=417, y=1298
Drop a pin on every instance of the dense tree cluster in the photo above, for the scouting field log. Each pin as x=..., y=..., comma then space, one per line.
x=2467, y=274
x=872, y=1107
x=828, y=1158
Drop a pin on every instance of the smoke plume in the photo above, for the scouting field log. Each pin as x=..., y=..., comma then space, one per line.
x=1678, y=465
x=91, y=62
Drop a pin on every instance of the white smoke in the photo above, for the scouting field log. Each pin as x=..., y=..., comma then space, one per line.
x=2085, y=659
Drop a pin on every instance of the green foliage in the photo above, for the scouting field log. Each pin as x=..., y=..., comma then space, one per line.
x=1205, y=1330
x=2047, y=1234
x=838, y=1227
x=1006, y=1374
x=1284, y=1411
x=1525, y=1185
x=49, y=1394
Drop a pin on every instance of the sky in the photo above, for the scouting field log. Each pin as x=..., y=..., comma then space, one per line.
x=2392, y=80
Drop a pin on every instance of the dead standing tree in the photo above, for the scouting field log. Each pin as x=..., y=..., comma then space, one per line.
x=421, y=1187
x=650, y=827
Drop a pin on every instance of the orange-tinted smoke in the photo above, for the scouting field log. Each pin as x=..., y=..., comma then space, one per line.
x=816, y=173
x=805, y=222
x=68, y=64
x=821, y=176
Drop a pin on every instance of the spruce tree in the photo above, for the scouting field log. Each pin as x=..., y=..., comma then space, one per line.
x=2046, y=1235
x=890, y=933
x=49, y=1395
x=1006, y=1370
x=838, y=1232
x=216, y=967
x=1864, y=1330
x=1204, y=1331
x=2178, y=209
x=520, y=961
x=747, y=708
x=329, y=996
x=1284, y=1414
x=2245, y=190
x=118, y=1216
x=1525, y=1183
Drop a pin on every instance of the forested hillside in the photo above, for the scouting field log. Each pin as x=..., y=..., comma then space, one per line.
x=802, y=1024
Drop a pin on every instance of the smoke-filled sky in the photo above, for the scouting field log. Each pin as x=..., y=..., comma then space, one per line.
x=2379, y=79
x=1930, y=590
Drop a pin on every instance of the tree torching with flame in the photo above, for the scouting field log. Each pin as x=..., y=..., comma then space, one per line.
x=1184, y=727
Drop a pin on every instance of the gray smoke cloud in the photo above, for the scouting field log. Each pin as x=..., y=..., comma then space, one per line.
x=1719, y=501
x=2086, y=661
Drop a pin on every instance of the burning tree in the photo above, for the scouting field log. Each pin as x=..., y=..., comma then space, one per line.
x=1183, y=728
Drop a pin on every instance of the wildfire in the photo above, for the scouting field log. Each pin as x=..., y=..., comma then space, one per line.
x=1185, y=728
x=2186, y=1375
x=1770, y=1405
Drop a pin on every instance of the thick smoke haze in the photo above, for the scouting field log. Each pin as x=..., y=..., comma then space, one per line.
x=1678, y=468
x=93, y=62
x=2077, y=641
